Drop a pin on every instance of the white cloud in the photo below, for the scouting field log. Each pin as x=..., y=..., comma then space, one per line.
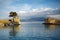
x=35, y=12
x=25, y=7
x=41, y=9
x=25, y=10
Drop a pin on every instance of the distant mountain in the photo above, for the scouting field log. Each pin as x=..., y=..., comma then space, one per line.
x=34, y=19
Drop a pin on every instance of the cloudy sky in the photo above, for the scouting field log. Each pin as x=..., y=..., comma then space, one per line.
x=29, y=8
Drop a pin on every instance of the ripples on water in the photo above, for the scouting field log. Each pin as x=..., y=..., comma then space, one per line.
x=30, y=31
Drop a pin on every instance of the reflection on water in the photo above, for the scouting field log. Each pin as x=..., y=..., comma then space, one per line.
x=53, y=31
x=50, y=26
x=30, y=31
x=14, y=30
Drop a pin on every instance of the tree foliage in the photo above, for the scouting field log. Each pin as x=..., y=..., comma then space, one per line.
x=12, y=14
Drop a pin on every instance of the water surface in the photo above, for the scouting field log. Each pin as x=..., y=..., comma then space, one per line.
x=30, y=31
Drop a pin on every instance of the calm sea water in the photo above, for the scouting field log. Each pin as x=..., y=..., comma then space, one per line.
x=30, y=31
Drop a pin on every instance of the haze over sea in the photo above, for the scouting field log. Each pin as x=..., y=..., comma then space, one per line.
x=30, y=31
